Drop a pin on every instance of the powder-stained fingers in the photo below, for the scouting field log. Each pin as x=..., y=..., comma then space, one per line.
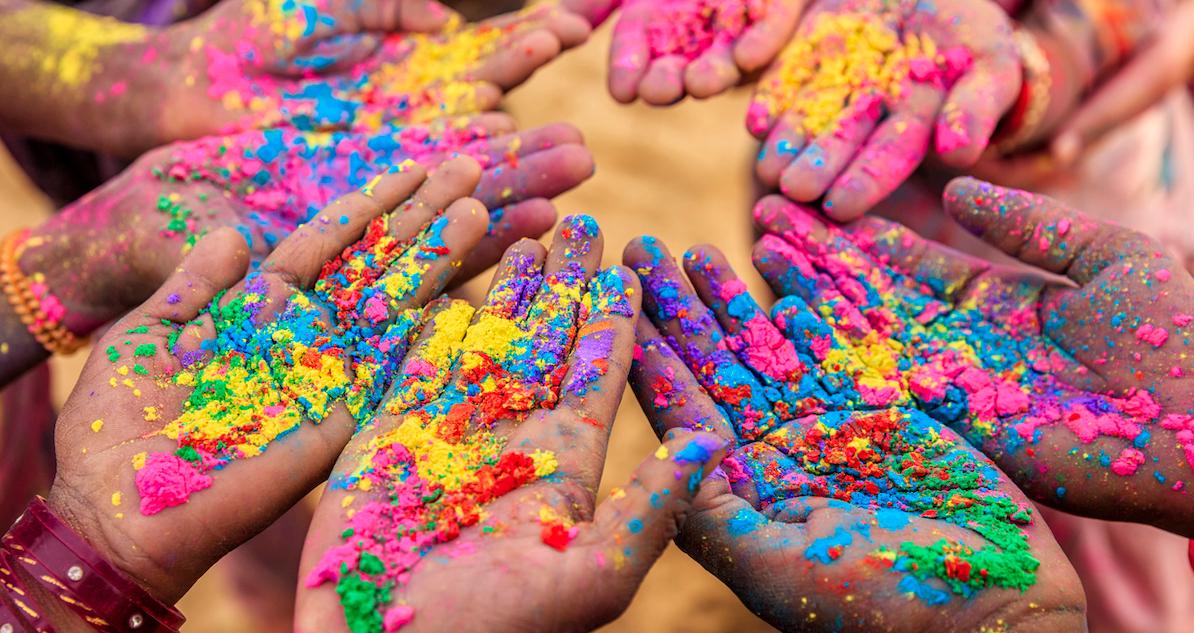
x=712, y=73
x=552, y=316
x=571, y=29
x=577, y=429
x=511, y=65
x=516, y=281
x=763, y=40
x=783, y=144
x=450, y=181
x=542, y=174
x=975, y=105
x=301, y=256
x=427, y=365
x=1041, y=231
x=595, y=11
x=629, y=53
x=427, y=265
x=528, y=219
x=751, y=335
x=892, y=152
x=673, y=307
x=827, y=155
x=507, y=149
x=643, y=519
x=668, y=392
x=663, y=84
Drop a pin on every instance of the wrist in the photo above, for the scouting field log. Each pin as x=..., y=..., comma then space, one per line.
x=64, y=272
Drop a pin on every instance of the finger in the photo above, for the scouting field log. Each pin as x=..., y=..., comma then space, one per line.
x=595, y=11
x=891, y=154
x=217, y=261
x=544, y=174
x=427, y=365
x=552, y=316
x=712, y=73
x=513, y=64
x=648, y=512
x=628, y=53
x=674, y=308
x=784, y=143
x=664, y=82
x=974, y=107
x=764, y=39
x=426, y=267
x=529, y=219
x=1038, y=230
x=418, y=16
x=496, y=151
x=824, y=158
x=300, y=257
x=445, y=184
x=667, y=391
x=577, y=429
x=516, y=281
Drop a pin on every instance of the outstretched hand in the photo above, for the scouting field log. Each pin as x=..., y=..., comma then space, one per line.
x=468, y=501
x=847, y=111
x=830, y=513
x=663, y=50
x=218, y=383
x=1078, y=388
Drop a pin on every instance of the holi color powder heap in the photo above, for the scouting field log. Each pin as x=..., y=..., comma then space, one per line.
x=434, y=459
x=689, y=28
x=805, y=430
x=845, y=66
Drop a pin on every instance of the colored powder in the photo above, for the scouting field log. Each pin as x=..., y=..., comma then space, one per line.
x=689, y=28
x=846, y=65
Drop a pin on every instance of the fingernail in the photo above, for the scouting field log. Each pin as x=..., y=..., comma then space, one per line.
x=1066, y=149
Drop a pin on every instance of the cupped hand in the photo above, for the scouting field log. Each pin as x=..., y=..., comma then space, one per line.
x=468, y=501
x=256, y=63
x=663, y=50
x=1078, y=387
x=162, y=445
x=108, y=252
x=848, y=109
x=830, y=513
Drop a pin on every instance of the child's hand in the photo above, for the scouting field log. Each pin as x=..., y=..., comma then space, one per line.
x=848, y=109
x=469, y=500
x=1079, y=389
x=109, y=251
x=830, y=513
x=191, y=428
x=665, y=49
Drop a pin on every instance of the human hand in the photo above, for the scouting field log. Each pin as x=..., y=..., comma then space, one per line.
x=665, y=49
x=109, y=251
x=1078, y=389
x=847, y=111
x=248, y=64
x=164, y=440
x=830, y=513
x=469, y=500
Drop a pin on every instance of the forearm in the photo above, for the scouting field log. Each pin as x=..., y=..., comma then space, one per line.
x=71, y=77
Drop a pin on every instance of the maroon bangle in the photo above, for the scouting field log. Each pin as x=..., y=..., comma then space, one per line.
x=71, y=570
x=18, y=614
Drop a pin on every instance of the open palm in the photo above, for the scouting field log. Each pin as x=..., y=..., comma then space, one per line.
x=1076, y=388
x=829, y=504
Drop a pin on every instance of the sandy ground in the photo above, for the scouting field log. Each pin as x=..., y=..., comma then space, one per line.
x=678, y=173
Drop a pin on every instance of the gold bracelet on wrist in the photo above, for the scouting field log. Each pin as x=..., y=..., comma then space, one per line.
x=1038, y=83
x=49, y=332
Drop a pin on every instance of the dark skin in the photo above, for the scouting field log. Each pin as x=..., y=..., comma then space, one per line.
x=1117, y=286
x=110, y=250
x=757, y=540
x=167, y=552
x=514, y=581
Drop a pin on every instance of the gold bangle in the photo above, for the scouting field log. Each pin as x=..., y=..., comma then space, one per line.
x=1038, y=79
x=51, y=334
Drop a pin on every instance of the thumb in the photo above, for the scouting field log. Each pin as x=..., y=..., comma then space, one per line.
x=217, y=261
x=1166, y=63
x=639, y=520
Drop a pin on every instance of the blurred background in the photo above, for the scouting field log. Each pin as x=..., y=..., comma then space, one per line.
x=680, y=173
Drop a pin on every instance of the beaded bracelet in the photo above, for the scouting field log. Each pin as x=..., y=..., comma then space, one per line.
x=52, y=334
x=69, y=569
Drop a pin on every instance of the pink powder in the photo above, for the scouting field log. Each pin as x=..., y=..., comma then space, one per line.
x=1128, y=462
x=375, y=308
x=1151, y=334
x=1182, y=320
x=167, y=480
x=397, y=617
x=1162, y=275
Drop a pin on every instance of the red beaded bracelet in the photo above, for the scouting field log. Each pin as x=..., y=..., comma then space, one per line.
x=71, y=570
